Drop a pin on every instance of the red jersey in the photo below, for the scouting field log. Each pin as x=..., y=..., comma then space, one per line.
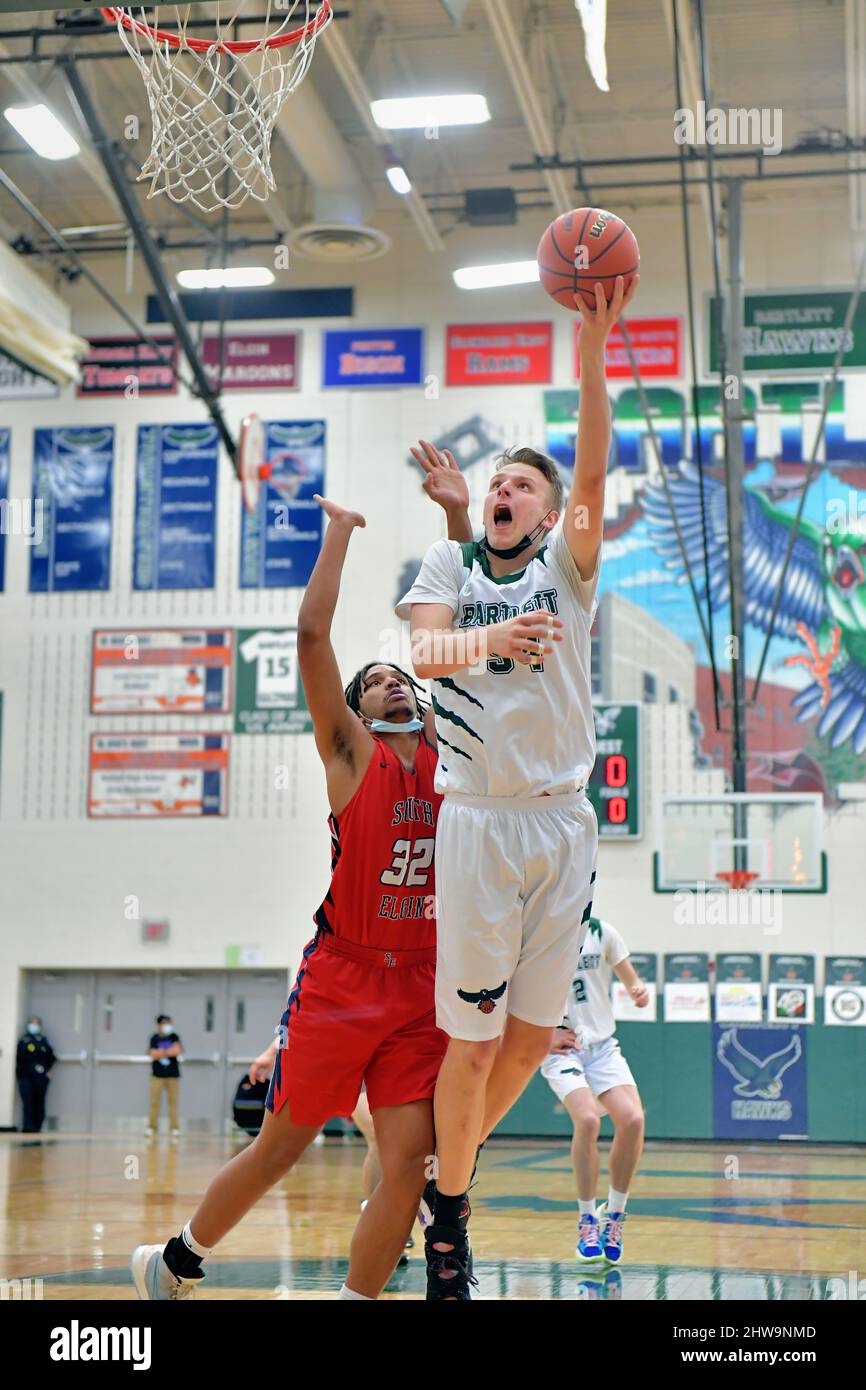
x=382, y=890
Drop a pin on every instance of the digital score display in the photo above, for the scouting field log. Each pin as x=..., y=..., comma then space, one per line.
x=614, y=784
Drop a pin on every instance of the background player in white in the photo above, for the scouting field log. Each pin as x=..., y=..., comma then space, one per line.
x=585, y=1063
x=502, y=628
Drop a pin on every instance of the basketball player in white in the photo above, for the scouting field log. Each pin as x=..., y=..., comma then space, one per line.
x=502, y=629
x=585, y=1063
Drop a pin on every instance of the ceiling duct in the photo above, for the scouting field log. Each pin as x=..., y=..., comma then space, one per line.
x=341, y=198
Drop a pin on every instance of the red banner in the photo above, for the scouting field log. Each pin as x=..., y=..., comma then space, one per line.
x=127, y=366
x=254, y=361
x=498, y=354
x=657, y=345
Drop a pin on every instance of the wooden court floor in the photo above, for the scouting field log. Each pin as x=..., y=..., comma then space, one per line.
x=792, y=1221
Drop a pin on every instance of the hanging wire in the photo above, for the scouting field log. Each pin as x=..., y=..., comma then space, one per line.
x=694, y=388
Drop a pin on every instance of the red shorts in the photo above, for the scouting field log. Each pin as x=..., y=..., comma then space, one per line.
x=357, y=1015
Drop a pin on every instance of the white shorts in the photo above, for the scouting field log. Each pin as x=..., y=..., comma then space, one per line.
x=514, y=883
x=595, y=1068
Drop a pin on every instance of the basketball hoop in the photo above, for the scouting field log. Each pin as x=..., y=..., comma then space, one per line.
x=214, y=102
x=252, y=469
x=737, y=879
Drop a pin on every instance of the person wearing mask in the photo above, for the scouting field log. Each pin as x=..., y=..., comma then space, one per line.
x=164, y=1051
x=33, y=1062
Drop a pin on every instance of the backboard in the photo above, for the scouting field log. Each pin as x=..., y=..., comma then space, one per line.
x=770, y=841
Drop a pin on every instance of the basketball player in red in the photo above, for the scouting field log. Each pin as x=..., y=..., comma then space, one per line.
x=362, y=1006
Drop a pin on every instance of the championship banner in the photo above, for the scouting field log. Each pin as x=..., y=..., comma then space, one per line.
x=18, y=383
x=624, y=1008
x=254, y=361
x=161, y=671
x=845, y=991
x=281, y=538
x=657, y=345
x=498, y=354
x=687, y=987
x=72, y=482
x=795, y=331
x=373, y=357
x=158, y=775
x=175, y=507
x=5, y=440
x=269, y=695
x=759, y=1082
x=129, y=367
x=738, y=988
x=791, y=992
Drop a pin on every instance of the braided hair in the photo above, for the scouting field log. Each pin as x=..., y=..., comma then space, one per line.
x=355, y=687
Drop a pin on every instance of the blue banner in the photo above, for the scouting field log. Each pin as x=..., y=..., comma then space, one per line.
x=281, y=539
x=5, y=436
x=72, y=478
x=175, y=507
x=373, y=357
x=759, y=1082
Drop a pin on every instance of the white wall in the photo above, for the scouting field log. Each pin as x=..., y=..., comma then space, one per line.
x=256, y=877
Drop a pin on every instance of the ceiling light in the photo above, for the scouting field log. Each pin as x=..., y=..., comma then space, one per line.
x=233, y=278
x=483, y=277
x=399, y=179
x=416, y=113
x=42, y=130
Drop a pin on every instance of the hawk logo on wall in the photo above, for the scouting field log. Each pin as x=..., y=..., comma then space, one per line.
x=755, y=1076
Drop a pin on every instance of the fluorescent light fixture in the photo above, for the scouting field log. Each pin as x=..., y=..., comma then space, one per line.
x=484, y=277
x=233, y=278
x=42, y=130
x=416, y=113
x=399, y=179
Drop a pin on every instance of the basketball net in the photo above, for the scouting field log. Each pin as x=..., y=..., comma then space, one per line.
x=214, y=102
x=737, y=879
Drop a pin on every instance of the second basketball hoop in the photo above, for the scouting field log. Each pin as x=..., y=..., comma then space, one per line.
x=214, y=101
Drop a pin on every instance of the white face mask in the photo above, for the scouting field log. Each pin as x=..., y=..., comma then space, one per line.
x=165, y=1028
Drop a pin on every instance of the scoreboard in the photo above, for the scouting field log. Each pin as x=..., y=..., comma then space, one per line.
x=615, y=781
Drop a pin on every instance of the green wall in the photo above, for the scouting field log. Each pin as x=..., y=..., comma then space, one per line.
x=673, y=1067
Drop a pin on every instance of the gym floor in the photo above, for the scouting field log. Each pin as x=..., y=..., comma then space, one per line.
x=790, y=1222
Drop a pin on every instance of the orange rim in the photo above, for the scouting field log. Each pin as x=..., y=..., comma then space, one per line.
x=239, y=46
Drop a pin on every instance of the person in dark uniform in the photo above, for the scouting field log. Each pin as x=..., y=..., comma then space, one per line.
x=165, y=1048
x=33, y=1062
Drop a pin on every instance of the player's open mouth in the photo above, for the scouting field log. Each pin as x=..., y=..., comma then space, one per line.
x=501, y=516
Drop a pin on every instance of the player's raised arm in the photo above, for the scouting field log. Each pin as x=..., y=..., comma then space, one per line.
x=440, y=649
x=445, y=484
x=584, y=515
x=340, y=736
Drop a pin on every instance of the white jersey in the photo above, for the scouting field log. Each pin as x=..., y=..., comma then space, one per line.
x=589, y=1012
x=506, y=729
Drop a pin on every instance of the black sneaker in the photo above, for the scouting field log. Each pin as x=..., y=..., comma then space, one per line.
x=449, y=1265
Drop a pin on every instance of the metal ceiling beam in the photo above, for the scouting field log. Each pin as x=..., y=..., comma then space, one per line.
x=353, y=80
x=690, y=76
x=540, y=131
x=150, y=255
x=34, y=95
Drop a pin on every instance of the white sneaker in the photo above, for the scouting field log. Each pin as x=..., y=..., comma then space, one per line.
x=154, y=1280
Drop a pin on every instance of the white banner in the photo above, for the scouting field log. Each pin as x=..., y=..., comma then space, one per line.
x=845, y=1005
x=739, y=1001
x=687, y=1001
x=624, y=1006
x=593, y=15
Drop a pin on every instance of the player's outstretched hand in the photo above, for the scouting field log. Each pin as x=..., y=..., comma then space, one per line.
x=444, y=483
x=598, y=322
x=335, y=512
x=526, y=638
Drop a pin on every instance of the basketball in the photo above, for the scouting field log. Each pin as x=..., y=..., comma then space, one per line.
x=582, y=248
